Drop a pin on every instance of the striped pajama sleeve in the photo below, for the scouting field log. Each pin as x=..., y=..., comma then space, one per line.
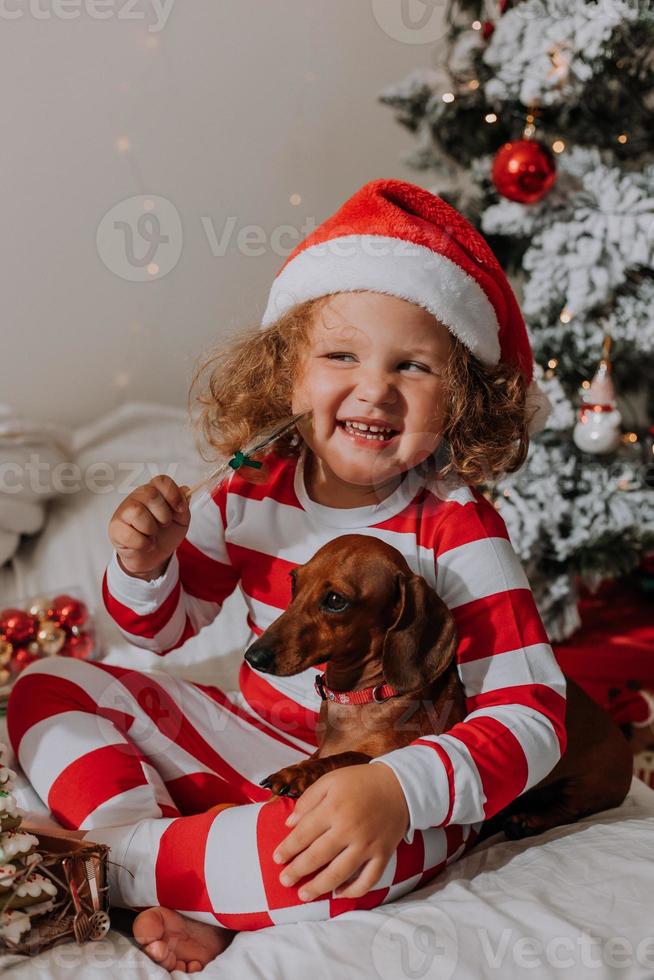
x=514, y=732
x=164, y=613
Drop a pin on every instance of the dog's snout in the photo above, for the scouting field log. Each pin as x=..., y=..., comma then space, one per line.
x=260, y=657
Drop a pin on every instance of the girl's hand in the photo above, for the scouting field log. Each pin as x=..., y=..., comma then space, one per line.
x=350, y=820
x=149, y=525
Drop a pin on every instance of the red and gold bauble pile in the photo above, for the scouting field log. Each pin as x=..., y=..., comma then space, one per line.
x=46, y=628
x=524, y=170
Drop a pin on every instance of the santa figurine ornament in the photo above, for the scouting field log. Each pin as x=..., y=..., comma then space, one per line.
x=598, y=427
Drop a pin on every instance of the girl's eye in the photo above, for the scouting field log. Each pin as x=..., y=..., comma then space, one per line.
x=421, y=367
x=333, y=602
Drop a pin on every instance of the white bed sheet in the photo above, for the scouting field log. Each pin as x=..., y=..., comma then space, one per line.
x=575, y=902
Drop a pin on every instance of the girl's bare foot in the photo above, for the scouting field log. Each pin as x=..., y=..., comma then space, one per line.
x=177, y=942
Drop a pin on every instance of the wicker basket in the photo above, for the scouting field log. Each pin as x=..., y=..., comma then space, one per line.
x=58, y=925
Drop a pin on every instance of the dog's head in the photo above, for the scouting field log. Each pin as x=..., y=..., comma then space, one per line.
x=357, y=603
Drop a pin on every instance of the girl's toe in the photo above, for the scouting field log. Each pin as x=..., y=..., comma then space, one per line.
x=157, y=951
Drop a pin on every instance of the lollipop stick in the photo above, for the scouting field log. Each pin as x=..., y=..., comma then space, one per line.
x=201, y=483
x=262, y=440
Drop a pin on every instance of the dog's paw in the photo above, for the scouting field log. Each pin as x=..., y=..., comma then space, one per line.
x=292, y=780
x=520, y=825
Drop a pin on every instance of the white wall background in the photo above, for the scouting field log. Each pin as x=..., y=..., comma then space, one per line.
x=228, y=111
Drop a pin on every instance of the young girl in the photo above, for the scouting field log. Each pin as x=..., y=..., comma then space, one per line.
x=395, y=325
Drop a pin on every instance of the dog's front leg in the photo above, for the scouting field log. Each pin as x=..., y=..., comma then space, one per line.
x=294, y=780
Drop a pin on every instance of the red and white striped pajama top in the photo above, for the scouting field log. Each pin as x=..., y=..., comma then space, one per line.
x=138, y=758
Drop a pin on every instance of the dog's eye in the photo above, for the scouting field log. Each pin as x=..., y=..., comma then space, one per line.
x=333, y=602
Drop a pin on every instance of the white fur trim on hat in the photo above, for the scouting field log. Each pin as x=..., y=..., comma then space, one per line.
x=399, y=268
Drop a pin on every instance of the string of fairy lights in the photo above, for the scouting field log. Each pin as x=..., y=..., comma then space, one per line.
x=559, y=71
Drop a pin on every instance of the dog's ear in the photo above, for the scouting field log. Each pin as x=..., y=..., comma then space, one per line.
x=421, y=642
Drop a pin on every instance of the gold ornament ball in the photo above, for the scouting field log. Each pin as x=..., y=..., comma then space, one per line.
x=6, y=652
x=39, y=607
x=50, y=638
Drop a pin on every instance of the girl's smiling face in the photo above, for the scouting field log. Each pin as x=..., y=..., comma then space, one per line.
x=376, y=359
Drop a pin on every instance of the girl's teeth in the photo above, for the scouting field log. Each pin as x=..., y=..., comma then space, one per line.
x=369, y=432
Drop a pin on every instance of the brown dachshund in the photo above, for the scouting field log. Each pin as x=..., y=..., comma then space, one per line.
x=357, y=606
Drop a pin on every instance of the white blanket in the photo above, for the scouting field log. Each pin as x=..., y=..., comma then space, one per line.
x=31, y=457
x=575, y=902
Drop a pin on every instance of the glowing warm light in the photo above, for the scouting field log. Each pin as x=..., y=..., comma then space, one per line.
x=622, y=138
x=565, y=316
x=473, y=83
x=123, y=144
x=585, y=384
x=552, y=362
x=476, y=25
x=558, y=146
x=448, y=97
x=490, y=117
x=295, y=199
x=153, y=269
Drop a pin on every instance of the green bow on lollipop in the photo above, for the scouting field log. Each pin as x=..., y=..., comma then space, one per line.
x=240, y=459
x=242, y=456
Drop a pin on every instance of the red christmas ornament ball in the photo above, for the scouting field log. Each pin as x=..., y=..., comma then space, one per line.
x=22, y=659
x=80, y=647
x=67, y=611
x=487, y=29
x=18, y=626
x=524, y=170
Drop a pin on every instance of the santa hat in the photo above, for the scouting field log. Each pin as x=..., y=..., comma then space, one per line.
x=397, y=238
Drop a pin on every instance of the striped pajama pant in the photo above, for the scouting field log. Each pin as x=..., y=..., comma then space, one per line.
x=166, y=773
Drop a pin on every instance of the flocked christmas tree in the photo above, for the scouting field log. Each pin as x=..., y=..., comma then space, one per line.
x=25, y=895
x=537, y=122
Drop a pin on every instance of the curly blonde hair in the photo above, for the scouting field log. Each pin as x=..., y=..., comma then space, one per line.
x=247, y=384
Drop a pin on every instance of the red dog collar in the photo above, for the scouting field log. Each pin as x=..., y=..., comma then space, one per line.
x=378, y=693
